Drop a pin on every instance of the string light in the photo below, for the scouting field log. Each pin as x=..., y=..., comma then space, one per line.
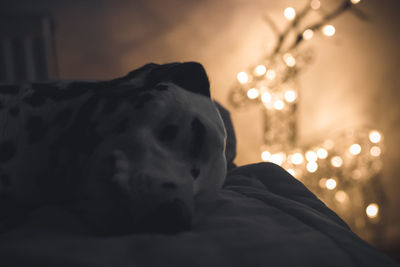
x=266, y=97
x=265, y=155
x=328, y=30
x=374, y=136
x=355, y=149
x=330, y=184
x=311, y=156
x=292, y=172
x=336, y=161
x=308, y=34
x=322, y=182
x=253, y=93
x=375, y=151
x=290, y=96
x=355, y=1
x=341, y=196
x=289, y=13
x=260, y=70
x=372, y=210
x=289, y=59
x=315, y=4
x=322, y=153
x=277, y=158
x=297, y=158
x=312, y=166
x=279, y=105
x=243, y=77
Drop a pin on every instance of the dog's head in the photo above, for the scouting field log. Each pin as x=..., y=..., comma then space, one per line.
x=162, y=148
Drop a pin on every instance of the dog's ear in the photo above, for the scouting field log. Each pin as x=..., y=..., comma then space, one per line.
x=191, y=76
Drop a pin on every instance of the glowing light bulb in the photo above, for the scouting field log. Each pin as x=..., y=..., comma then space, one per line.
x=292, y=172
x=266, y=97
x=289, y=60
x=253, y=93
x=271, y=74
x=330, y=184
x=290, y=96
x=355, y=149
x=265, y=155
x=243, y=77
x=341, y=196
x=374, y=136
x=328, y=30
x=260, y=70
x=322, y=153
x=312, y=166
x=297, y=158
x=375, y=151
x=278, y=158
x=336, y=161
x=308, y=34
x=372, y=210
x=289, y=13
x=315, y=4
x=355, y=1
x=279, y=105
x=311, y=156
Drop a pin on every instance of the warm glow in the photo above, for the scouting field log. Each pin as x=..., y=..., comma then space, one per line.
x=374, y=136
x=271, y=74
x=312, y=166
x=278, y=158
x=289, y=13
x=308, y=34
x=292, y=172
x=265, y=155
x=266, y=97
x=290, y=96
x=328, y=30
x=243, y=77
x=375, y=151
x=289, y=59
x=322, y=182
x=311, y=156
x=253, y=93
x=297, y=158
x=260, y=70
x=279, y=105
x=322, y=153
x=372, y=210
x=330, y=184
x=328, y=144
x=315, y=4
x=355, y=1
x=336, y=161
x=355, y=149
x=341, y=196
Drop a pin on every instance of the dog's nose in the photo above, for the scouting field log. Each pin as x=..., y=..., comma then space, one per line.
x=170, y=217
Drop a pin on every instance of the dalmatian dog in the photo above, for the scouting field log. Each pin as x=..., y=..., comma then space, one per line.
x=129, y=155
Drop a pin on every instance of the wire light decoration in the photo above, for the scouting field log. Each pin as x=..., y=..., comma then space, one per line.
x=343, y=171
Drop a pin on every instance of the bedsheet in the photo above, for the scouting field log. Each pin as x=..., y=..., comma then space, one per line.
x=262, y=217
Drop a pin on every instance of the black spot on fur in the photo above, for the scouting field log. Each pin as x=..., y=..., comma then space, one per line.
x=142, y=100
x=195, y=172
x=5, y=180
x=63, y=116
x=169, y=185
x=198, y=137
x=9, y=89
x=14, y=111
x=121, y=126
x=7, y=150
x=168, y=133
x=161, y=87
x=36, y=128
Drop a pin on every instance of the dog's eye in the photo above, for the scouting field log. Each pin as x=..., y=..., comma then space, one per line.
x=168, y=132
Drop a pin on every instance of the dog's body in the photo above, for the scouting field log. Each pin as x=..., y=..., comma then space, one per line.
x=129, y=155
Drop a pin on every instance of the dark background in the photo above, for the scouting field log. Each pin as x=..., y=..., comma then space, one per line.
x=354, y=80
